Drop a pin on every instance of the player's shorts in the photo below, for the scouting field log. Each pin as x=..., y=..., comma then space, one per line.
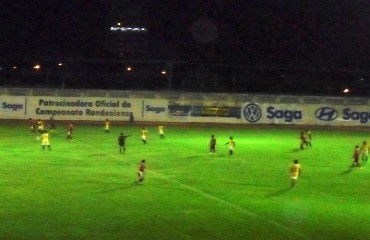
x=143, y=137
x=140, y=174
x=231, y=148
x=294, y=177
x=45, y=143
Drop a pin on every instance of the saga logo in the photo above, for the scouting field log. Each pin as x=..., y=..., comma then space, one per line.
x=149, y=108
x=287, y=115
x=363, y=117
x=13, y=107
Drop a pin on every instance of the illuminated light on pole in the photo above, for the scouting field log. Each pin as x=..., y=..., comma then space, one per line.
x=15, y=67
x=60, y=64
x=37, y=66
x=163, y=72
x=128, y=68
x=346, y=90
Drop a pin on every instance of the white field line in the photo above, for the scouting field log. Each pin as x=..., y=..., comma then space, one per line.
x=214, y=198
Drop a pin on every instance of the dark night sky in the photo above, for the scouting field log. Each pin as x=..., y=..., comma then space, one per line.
x=287, y=33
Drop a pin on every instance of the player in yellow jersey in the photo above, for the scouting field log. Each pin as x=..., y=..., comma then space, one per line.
x=308, y=138
x=107, y=126
x=295, y=171
x=364, y=151
x=161, y=132
x=144, y=135
x=40, y=126
x=45, y=140
x=231, y=144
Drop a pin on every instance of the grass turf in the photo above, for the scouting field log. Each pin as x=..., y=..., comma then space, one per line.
x=85, y=189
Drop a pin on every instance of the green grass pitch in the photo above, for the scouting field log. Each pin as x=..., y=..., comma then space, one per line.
x=85, y=189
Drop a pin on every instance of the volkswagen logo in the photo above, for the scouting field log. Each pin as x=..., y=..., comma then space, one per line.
x=326, y=114
x=252, y=112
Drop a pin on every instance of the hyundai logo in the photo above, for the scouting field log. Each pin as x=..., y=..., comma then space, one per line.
x=252, y=112
x=326, y=114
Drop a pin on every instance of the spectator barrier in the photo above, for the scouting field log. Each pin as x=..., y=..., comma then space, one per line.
x=94, y=105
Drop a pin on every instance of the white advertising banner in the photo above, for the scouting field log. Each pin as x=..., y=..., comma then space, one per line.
x=13, y=107
x=164, y=110
x=83, y=108
x=154, y=110
x=77, y=108
x=306, y=114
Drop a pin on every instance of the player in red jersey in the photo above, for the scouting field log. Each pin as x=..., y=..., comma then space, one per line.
x=33, y=125
x=356, y=157
x=212, y=145
x=141, y=172
x=303, y=141
x=70, y=129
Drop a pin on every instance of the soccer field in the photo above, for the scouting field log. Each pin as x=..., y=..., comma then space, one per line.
x=84, y=189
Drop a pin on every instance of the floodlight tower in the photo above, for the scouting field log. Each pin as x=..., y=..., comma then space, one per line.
x=127, y=29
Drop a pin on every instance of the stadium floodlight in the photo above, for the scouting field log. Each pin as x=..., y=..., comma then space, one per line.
x=128, y=29
x=37, y=66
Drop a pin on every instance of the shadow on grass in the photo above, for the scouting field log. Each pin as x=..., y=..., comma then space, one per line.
x=204, y=156
x=350, y=169
x=293, y=150
x=122, y=187
x=280, y=192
